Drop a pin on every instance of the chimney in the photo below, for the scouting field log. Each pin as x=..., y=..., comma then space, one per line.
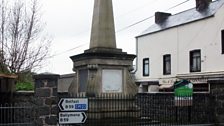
x=160, y=17
x=202, y=4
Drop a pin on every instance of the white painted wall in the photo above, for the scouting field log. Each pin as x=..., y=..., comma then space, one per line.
x=179, y=41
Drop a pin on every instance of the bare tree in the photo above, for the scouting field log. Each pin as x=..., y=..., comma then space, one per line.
x=21, y=46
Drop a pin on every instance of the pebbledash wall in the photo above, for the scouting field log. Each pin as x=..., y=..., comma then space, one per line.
x=45, y=99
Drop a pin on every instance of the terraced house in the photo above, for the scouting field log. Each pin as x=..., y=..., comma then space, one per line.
x=188, y=45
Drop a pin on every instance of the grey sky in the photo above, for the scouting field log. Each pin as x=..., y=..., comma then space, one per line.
x=69, y=23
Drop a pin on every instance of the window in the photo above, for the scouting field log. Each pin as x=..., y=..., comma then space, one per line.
x=195, y=61
x=222, y=41
x=167, y=64
x=202, y=87
x=146, y=67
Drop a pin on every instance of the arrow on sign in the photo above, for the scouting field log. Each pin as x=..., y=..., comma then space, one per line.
x=72, y=117
x=84, y=117
x=60, y=104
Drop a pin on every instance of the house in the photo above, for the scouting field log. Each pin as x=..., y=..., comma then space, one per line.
x=188, y=45
x=64, y=82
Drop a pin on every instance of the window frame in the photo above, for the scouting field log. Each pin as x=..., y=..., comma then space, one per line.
x=197, y=58
x=144, y=67
x=165, y=72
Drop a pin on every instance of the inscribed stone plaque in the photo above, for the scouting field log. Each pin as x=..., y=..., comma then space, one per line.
x=112, y=81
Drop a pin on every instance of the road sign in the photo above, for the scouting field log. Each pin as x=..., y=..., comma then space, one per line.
x=73, y=104
x=183, y=88
x=183, y=91
x=72, y=117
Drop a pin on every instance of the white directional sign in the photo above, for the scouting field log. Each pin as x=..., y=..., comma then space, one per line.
x=73, y=104
x=72, y=117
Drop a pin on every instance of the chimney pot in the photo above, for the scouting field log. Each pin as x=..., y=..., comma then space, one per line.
x=160, y=17
x=202, y=4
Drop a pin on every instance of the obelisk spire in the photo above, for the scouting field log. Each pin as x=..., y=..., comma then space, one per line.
x=103, y=31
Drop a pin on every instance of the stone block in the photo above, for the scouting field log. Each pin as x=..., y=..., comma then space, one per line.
x=42, y=92
x=48, y=101
x=51, y=101
x=39, y=122
x=43, y=110
x=52, y=120
x=52, y=83
x=55, y=110
x=55, y=92
x=46, y=76
x=39, y=83
x=39, y=101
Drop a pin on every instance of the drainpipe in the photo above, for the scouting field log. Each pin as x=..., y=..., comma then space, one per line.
x=136, y=60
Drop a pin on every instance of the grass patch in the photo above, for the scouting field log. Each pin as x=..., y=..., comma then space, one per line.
x=24, y=86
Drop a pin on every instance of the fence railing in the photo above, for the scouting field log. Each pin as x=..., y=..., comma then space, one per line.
x=147, y=110
x=167, y=109
x=112, y=110
x=16, y=115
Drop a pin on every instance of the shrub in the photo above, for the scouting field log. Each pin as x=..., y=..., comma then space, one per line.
x=24, y=86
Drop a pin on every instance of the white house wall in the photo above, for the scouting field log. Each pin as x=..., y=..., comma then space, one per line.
x=179, y=41
x=154, y=47
x=215, y=60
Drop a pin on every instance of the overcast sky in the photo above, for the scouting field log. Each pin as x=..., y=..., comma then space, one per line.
x=69, y=24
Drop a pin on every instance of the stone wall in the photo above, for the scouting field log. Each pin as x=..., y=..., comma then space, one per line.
x=160, y=107
x=42, y=101
x=24, y=97
x=46, y=99
x=25, y=107
x=217, y=94
x=207, y=107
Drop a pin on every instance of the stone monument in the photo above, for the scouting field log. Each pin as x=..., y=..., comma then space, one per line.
x=103, y=72
x=103, y=68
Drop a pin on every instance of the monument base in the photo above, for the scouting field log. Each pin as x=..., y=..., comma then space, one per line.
x=113, y=106
x=115, y=110
x=104, y=50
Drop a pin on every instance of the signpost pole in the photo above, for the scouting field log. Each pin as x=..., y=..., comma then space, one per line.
x=183, y=91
